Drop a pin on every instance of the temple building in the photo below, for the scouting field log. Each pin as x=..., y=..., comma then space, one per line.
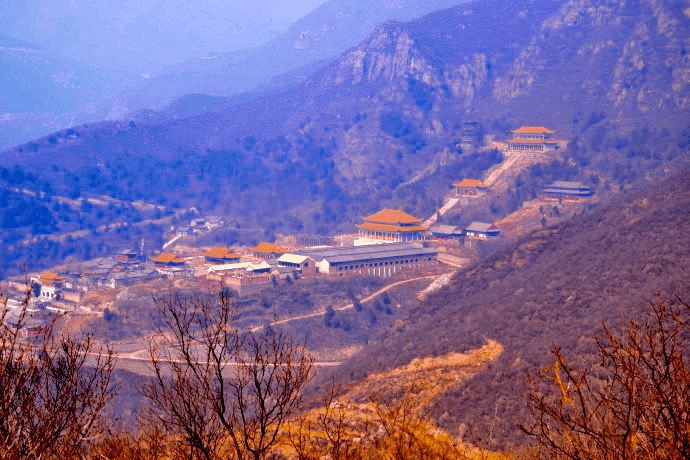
x=566, y=191
x=482, y=230
x=51, y=285
x=470, y=188
x=268, y=251
x=391, y=225
x=218, y=255
x=168, y=264
x=167, y=259
x=532, y=139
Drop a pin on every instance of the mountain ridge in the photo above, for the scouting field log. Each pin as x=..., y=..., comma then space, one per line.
x=350, y=138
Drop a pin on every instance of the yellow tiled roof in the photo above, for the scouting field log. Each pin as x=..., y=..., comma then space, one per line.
x=166, y=257
x=470, y=183
x=533, y=130
x=269, y=248
x=50, y=277
x=390, y=227
x=221, y=253
x=392, y=216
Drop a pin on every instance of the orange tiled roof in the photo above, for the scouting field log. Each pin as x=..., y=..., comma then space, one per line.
x=392, y=216
x=390, y=228
x=50, y=277
x=166, y=257
x=269, y=248
x=221, y=253
x=533, y=130
x=470, y=183
x=533, y=141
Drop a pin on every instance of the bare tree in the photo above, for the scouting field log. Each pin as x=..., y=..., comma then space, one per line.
x=223, y=392
x=634, y=404
x=52, y=390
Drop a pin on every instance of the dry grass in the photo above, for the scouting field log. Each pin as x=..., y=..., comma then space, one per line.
x=404, y=396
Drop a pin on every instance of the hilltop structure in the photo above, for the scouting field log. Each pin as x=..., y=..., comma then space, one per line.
x=532, y=139
x=391, y=225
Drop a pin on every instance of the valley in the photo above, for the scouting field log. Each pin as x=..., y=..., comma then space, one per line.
x=430, y=216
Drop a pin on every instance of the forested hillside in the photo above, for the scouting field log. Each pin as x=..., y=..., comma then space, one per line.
x=380, y=126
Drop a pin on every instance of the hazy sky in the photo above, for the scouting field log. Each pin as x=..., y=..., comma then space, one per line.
x=145, y=35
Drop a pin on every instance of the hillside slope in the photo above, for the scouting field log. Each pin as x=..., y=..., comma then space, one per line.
x=556, y=287
x=41, y=91
x=350, y=139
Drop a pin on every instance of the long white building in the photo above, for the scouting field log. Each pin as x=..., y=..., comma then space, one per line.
x=373, y=259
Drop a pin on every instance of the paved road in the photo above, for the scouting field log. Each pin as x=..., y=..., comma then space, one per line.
x=350, y=305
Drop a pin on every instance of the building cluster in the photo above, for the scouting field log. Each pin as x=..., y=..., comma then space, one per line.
x=388, y=243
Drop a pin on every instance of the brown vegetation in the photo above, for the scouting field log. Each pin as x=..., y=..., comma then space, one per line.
x=220, y=392
x=52, y=390
x=633, y=403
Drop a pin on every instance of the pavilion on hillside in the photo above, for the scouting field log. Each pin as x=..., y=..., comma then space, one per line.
x=470, y=188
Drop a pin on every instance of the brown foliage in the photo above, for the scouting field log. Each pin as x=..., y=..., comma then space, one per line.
x=383, y=428
x=634, y=404
x=52, y=390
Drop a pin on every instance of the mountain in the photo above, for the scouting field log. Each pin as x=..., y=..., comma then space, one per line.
x=41, y=92
x=319, y=36
x=105, y=61
x=380, y=125
x=555, y=287
x=144, y=36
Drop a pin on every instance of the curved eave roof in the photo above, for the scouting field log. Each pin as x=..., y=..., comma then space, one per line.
x=471, y=183
x=533, y=130
x=391, y=228
x=392, y=216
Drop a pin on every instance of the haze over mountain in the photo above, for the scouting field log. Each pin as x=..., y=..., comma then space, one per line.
x=139, y=36
x=380, y=125
x=321, y=35
x=116, y=58
x=67, y=62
